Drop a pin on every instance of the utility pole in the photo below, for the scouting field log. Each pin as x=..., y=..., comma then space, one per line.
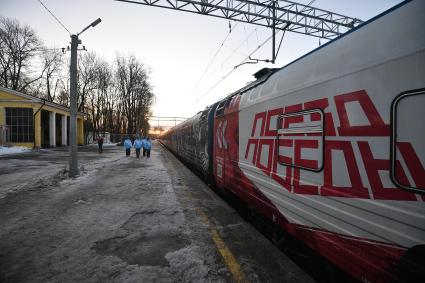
x=73, y=150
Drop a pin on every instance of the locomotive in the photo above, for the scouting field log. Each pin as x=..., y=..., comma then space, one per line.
x=331, y=147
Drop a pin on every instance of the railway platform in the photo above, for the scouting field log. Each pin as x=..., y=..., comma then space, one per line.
x=125, y=220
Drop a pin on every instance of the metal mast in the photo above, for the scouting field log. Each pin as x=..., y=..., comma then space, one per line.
x=274, y=14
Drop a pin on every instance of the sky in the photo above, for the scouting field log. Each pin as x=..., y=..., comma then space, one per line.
x=177, y=47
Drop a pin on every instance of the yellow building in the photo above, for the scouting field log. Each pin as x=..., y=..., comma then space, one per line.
x=29, y=121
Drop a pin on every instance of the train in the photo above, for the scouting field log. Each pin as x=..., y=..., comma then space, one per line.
x=331, y=147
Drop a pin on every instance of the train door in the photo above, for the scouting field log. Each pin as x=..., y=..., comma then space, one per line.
x=232, y=173
x=408, y=141
x=211, y=139
x=219, y=144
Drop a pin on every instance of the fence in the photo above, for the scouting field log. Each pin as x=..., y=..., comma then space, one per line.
x=90, y=137
x=119, y=138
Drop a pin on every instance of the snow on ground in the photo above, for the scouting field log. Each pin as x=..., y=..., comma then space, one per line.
x=39, y=166
x=122, y=219
x=13, y=149
x=120, y=213
x=17, y=174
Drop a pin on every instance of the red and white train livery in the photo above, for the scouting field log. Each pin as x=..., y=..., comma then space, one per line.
x=331, y=147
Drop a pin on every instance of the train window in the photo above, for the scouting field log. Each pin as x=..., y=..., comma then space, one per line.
x=408, y=141
x=220, y=108
x=229, y=100
x=301, y=139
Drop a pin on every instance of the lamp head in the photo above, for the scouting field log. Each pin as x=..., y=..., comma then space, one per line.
x=96, y=22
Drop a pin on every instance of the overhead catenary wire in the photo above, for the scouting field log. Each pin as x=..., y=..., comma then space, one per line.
x=235, y=50
x=215, y=55
x=232, y=70
x=247, y=43
x=51, y=13
x=230, y=55
x=247, y=37
x=249, y=56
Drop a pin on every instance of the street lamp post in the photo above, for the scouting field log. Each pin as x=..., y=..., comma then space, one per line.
x=73, y=152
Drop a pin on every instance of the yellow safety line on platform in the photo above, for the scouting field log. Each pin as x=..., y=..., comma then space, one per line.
x=226, y=254
x=231, y=262
x=229, y=259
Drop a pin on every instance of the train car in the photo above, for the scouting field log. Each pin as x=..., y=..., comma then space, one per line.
x=192, y=141
x=331, y=147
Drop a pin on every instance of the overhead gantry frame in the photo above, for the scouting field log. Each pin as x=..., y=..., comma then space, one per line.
x=275, y=14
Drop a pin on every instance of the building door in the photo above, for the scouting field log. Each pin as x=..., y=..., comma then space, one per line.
x=45, y=128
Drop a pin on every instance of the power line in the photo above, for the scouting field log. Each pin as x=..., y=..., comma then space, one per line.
x=230, y=56
x=246, y=58
x=231, y=71
x=225, y=60
x=215, y=55
x=235, y=50
x=54, y=16
x=246, y=39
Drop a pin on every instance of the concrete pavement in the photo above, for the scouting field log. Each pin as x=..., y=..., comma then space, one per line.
x=125, y=220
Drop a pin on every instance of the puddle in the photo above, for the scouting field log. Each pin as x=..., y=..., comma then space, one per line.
x=145, y=250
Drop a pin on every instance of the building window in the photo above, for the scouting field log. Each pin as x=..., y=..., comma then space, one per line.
x=20, y=123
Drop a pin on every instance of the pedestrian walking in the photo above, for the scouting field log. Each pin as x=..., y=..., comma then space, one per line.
x=127, y=146
x=148, y=146
x=100, y=143
x=137, y=146
x=143, y=146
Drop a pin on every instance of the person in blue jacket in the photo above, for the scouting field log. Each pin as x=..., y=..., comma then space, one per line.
x=143, y=146
x=127, y=146
x=137, y=146
x=148, y=146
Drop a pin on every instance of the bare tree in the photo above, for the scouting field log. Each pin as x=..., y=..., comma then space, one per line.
x=111, y=103
x=99, y=96
x=63, y=95
x=18, y=45
x=106, y=92
x=52, y=64
x=135, y=92
x=118, y=97
x=86, y=78
x=52, y=82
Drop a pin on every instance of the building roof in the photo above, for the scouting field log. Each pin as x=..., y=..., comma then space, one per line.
x=31, y=98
